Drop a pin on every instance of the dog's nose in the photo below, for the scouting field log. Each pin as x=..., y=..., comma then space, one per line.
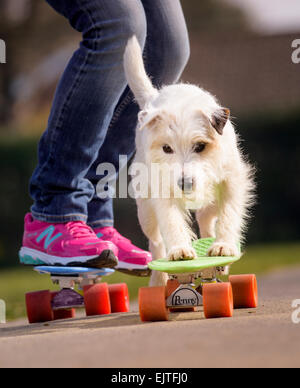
x=186, y=184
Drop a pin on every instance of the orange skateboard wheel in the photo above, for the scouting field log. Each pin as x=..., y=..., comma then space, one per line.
x=172, y=286
x=218, y=300
x=152, y=304
x=245, y=294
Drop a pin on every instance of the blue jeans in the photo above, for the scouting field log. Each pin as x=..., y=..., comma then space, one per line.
x=94, y=116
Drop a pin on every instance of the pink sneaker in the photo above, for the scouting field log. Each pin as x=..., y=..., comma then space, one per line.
x=130, y=257
x=69, y=244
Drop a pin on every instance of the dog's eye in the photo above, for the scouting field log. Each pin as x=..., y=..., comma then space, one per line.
x=199, y=147
x=167, y=149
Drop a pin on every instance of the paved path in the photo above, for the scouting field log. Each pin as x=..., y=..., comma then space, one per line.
x=265, y=337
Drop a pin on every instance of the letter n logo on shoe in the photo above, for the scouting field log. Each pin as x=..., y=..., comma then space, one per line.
x=48, y=233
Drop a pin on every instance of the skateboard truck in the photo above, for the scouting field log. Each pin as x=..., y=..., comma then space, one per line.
x=67, y=297
x=185, y=296
x=85, y=279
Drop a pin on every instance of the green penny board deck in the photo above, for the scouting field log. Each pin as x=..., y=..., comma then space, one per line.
x=191, y=266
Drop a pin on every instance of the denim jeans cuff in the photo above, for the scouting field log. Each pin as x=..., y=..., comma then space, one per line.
x=59, y=219
x=101, y=223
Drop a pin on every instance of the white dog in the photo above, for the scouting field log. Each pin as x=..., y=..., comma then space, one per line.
x=184, y=126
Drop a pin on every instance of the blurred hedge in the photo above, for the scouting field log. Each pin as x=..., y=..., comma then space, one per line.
x=17, y=161
x=272, y=142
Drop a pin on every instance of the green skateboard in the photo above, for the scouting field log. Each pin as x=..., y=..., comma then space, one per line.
x=193, y=266
x=217, y=298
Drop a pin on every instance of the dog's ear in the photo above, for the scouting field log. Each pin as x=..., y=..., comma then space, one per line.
x=219, y=119
x=147, y=119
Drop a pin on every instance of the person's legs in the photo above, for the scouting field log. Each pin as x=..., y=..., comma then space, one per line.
x=166, y=54
x=83, y=106
x=56, y=232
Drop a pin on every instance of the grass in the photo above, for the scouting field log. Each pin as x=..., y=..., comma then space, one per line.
x=258, y=259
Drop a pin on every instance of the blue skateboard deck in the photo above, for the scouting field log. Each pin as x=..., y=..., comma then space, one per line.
x=67, y=278
x=73, y=271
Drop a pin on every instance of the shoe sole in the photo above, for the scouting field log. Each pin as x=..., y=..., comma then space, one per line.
x=133, y=269
x=32, y=257
x=143, y=273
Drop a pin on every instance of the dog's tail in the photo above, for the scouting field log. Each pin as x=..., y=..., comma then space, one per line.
x=136, y=75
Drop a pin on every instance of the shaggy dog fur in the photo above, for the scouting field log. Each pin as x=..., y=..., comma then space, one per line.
x=184, y=126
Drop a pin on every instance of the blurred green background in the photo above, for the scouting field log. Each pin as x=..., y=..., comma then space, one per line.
x=243, y=60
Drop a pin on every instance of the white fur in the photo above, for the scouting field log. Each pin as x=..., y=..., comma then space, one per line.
x=180, y=116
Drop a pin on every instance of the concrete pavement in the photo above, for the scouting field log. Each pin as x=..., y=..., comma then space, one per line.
x=265, y=337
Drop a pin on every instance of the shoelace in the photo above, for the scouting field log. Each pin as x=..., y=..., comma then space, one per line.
x=79, y=229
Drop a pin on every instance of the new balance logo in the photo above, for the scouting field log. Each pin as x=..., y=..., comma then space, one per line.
x=48, y=233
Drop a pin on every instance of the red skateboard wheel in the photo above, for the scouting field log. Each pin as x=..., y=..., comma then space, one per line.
x=38, y=305
x=119, y=298
x=96, y=299
x=64, y=313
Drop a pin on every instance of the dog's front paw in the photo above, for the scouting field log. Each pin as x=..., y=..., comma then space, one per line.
x=223, y=249
x=182, y=253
